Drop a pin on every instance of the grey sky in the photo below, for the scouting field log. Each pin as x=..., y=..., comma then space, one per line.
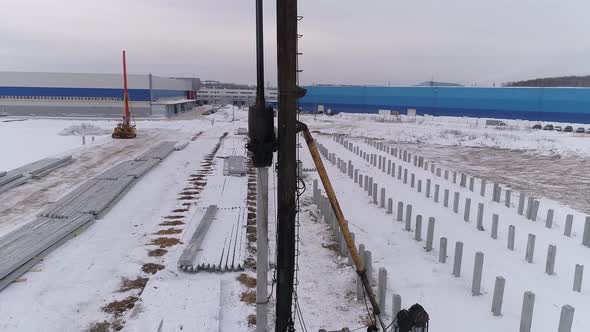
x=352, y=42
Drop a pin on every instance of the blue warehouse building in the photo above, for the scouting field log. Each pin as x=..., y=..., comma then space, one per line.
x=100, y=95
x=537, y=104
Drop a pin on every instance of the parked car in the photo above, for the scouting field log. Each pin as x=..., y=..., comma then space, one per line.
x=557, y=128
x=568, y=129
x=548, y=127
x=537, y=126
x=580, y=130
x=496, y=123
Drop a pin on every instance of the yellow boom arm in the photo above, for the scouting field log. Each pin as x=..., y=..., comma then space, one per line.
x=360, y=268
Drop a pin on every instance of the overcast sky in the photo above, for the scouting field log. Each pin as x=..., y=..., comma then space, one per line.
x=380, y=42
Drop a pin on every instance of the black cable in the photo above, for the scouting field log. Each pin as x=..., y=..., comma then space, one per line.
x=367, y=306
x=300, y=315
x=392, y=324
x=272, y=286
x=302, y=188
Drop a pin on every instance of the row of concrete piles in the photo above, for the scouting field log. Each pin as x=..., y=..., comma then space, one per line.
x=367, y=183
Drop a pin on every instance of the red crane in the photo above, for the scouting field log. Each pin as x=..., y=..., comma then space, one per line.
x=125, y=129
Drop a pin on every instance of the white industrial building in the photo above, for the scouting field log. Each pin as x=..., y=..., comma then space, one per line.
x=212, y=92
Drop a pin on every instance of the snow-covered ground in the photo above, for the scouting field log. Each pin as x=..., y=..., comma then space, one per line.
x=23, y=142
x=458, y=132
x=417, y=275
x=68, y=290
x=85, y=274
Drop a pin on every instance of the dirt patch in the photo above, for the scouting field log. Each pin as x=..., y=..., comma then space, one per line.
x=197, y=135
x=172, y=223
x=251, y=229
x=157, y=252
x=174, y=217
x=128, y=284
x=180, y=210
x=251, y=320
x=118, y=324
x=152, y=268
x=169, y=231
x=164, y=242
x=102, y=327
x=335, y=247
x=251, y=248
x=250, y=263
x=248, y=297
x=117, y=308
x=247, y=281
x=188, y=193
x=198, y=190
x=252, y=237
x=366, y=320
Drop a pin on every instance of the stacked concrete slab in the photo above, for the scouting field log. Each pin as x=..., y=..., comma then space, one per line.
x=185, y=262
x=34, y=170
x=234, y=166
x=160, y=151
x=25, y=246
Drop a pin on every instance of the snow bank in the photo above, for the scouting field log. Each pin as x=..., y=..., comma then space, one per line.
x=84, y=129
x=27, y=141
x=449, y=133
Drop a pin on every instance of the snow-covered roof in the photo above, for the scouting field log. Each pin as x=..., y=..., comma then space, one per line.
x=173, y=102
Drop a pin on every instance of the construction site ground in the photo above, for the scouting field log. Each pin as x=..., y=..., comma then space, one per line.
x=121, y=273
x=72, y=288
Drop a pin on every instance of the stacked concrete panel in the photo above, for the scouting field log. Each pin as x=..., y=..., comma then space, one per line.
x=20, y=247
x=24, y=247
x=35, y=170
x=160, y=151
